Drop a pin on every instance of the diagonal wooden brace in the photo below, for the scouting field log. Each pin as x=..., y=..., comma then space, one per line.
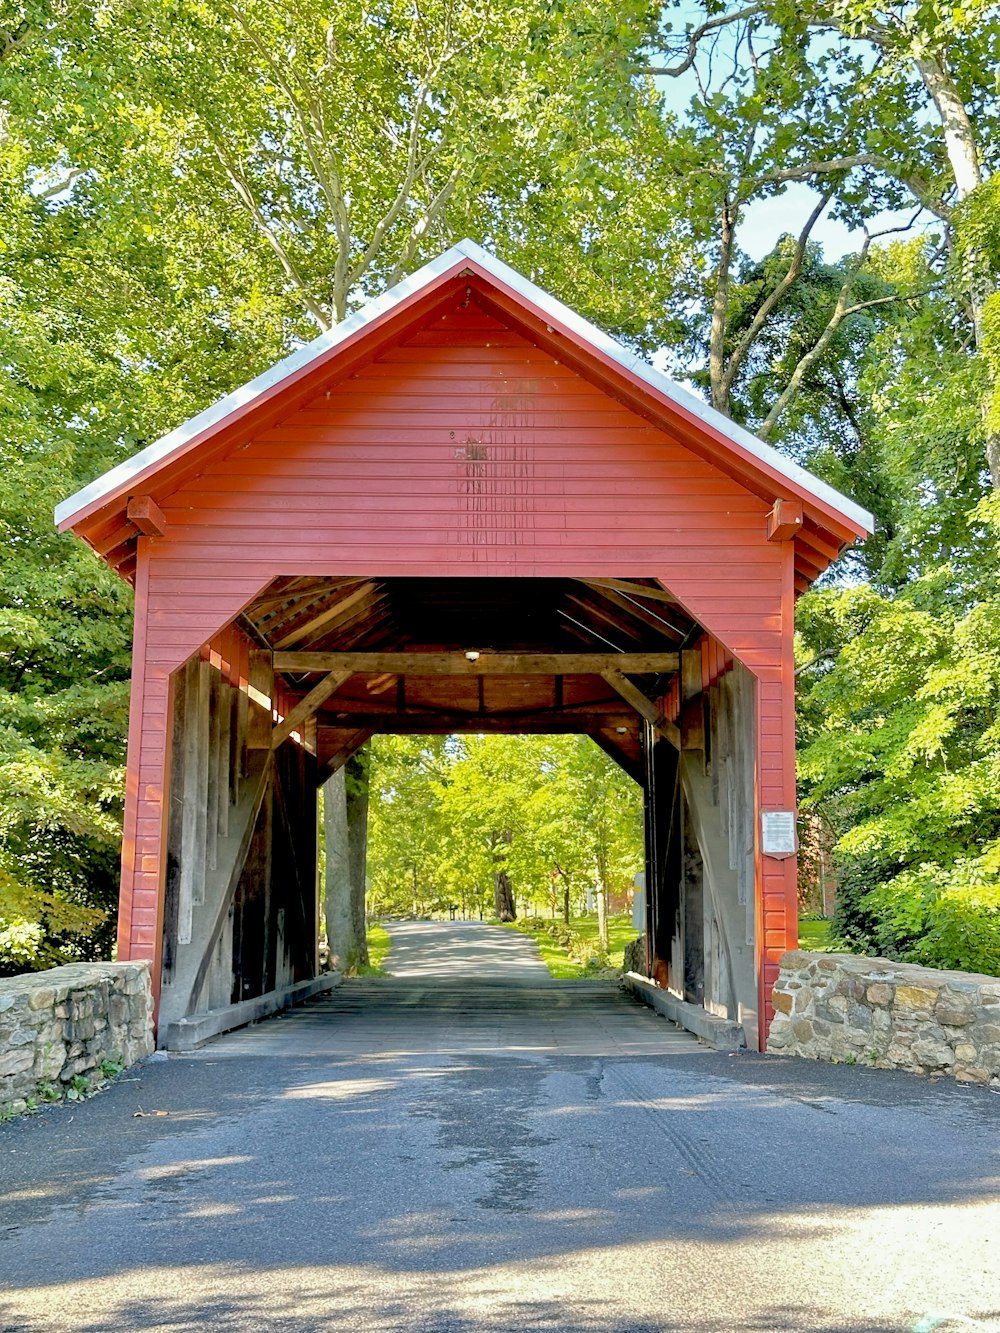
x=307, y=706
x=643, y=706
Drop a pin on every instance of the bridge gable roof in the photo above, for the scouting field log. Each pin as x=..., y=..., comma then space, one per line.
x=99, y=512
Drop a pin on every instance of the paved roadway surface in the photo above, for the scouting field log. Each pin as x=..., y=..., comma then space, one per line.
x=472, y=1154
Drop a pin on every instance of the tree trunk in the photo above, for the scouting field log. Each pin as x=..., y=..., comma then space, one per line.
x=602, y=904
x=720, y=314
x=337, y=887
x=503, y=896
x=345, y=825
x=356, y=793
x=503, y=893
x=566, y=901
x=963, y=157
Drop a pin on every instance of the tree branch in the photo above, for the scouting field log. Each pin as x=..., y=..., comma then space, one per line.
x=413, y=161
x=916, y=184
x=313, y=134
x=806, y=362
x=240, y=184
x=773, y=299
x=694, y=38
x=60, y=186
x=423, y=224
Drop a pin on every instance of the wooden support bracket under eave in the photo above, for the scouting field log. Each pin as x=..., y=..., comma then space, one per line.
x=643, y=706
x=147, y=516
x=784, y=520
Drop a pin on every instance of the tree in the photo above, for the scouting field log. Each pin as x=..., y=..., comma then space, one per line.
x=844, y=97
x=495, y=821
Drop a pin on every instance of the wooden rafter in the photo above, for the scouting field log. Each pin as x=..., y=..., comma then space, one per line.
x=649, y=616
x=294, y=590
x=622, y=624
x=329, y=613
x=635, y=589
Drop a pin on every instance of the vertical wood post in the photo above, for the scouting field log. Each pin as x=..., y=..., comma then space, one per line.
x=261, y=719
x=777, y=907
x=140, y=923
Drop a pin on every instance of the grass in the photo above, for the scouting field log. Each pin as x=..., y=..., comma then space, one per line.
x=816, y=935
x=572, y=952
x=378, y=947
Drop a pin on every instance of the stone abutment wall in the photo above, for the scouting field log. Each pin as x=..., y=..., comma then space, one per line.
x=832, y=1006
x=59, y=1024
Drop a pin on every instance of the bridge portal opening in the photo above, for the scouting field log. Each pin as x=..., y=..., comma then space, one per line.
x=275, y=706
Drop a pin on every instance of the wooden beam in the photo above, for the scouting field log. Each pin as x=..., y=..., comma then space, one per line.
x=643, y=706
x=633, y=589
x=307, y=706
x=690, y=674
x=487, y=664
x=261, y=682
x=442, y=723
x=350, y=705
x=349, y=744
x=604, y=611
x=653, y=619
x=296, y=589
x=147, y=516
x=236, y=849
x=692, y=718
x=784, y=520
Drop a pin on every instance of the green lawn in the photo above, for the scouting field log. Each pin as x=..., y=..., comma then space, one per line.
x=573, y=952
x=816, y=934
x=378, y=947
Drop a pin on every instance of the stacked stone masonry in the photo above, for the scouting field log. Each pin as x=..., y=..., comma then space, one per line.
x=890, y=1015
x=62, y=1023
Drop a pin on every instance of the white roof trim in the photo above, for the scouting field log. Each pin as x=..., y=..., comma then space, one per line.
x=119, y=477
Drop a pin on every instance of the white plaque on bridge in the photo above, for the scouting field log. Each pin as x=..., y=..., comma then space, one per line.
x=777, y=833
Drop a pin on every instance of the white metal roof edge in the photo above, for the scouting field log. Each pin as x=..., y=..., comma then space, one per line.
x=175, y=440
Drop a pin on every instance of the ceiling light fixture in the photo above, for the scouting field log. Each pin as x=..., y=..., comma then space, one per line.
x=471, y=655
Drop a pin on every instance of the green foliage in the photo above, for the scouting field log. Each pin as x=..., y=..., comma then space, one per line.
x=188, y=189
x=574, y=952
x=901, y=750
x=447, y=816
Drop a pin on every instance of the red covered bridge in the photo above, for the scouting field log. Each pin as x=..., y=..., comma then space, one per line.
x=465, y=466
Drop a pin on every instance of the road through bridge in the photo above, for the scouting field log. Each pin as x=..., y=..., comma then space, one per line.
x=455, y=1152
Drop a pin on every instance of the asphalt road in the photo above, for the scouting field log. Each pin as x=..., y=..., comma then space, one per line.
x=469, y=1155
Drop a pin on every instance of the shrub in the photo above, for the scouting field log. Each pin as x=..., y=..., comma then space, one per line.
x=20, y=945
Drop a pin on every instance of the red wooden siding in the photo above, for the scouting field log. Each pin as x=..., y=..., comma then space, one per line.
x=464, y=451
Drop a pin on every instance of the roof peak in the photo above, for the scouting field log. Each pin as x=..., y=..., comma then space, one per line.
x=125, y=475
